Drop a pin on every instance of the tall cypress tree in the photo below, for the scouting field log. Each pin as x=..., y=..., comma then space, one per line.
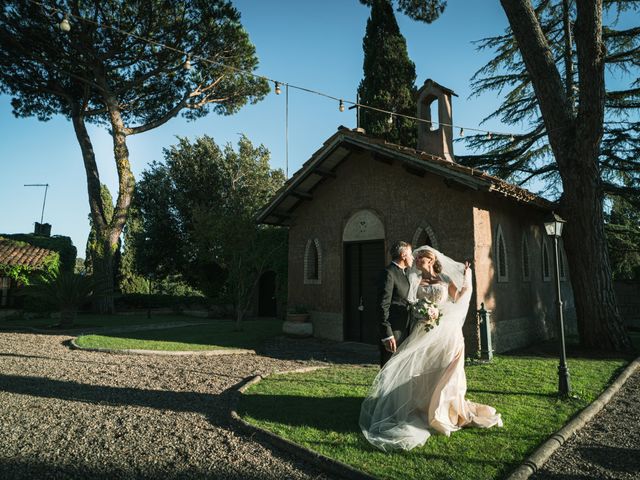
x=389, y=78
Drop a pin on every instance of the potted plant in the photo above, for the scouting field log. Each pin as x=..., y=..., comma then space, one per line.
x=298, y=314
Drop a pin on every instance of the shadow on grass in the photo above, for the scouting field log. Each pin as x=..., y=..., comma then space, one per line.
x=304, y=411
x=511, y=392
x=551, y=349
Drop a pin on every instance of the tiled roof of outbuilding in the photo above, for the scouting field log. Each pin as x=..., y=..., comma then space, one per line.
x=19, y=253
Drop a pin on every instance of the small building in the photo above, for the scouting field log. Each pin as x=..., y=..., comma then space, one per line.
x=357, y=195
x=20, y=260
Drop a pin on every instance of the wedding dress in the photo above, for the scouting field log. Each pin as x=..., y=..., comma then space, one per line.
x=422, y=388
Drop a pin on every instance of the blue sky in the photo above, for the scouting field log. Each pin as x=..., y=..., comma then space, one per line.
x=317, y=45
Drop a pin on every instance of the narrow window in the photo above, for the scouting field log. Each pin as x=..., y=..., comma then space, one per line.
x=526, y=265
x=546, y=263
x=561, y=261
x=312, y=262
x=502, y=266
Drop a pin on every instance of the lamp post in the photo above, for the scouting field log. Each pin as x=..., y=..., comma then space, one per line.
x=554, y=229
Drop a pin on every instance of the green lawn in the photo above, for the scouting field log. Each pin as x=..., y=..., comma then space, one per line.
x=217, y=334
x=320, y=410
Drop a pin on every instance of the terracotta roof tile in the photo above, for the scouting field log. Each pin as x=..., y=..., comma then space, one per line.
x=18, y=253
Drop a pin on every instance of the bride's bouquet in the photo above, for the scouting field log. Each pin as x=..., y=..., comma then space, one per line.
x=428, y=312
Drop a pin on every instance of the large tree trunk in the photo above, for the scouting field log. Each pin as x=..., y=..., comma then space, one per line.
x=108, y=231
x=599, y=321
x=575, y=137
x=103, y=272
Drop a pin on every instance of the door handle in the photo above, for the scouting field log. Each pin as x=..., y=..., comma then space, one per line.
x=361, y=307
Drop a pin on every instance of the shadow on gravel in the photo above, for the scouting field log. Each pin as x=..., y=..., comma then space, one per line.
x=14, y=469
x=612, y=458
x=114, y=396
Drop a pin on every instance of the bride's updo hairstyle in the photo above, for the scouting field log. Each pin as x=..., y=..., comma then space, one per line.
x=437, y=266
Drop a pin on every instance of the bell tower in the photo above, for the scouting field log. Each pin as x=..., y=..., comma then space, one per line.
x=436, y=141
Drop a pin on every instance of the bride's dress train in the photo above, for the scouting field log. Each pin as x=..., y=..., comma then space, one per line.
x=422, y=388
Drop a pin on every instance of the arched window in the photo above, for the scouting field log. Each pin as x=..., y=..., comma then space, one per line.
x=502, y=267
x=313, y=262
x=526, y=260
x=424, y=235
x=562, y=261
x=546, y=262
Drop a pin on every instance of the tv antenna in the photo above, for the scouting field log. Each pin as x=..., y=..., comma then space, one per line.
x=46, y=187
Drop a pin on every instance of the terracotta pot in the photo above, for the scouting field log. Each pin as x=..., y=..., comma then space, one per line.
x=298, y=317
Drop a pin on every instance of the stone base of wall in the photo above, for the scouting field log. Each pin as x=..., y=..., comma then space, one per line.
x=328, y=325
x=628, y=294
x=515, y=333
x=519, y=332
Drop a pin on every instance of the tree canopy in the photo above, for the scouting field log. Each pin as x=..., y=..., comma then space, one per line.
x=198, y=212
x=527, y=157
x=123, y=65
x=389, y=78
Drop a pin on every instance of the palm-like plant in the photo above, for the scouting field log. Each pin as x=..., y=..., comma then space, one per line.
x=68, y=291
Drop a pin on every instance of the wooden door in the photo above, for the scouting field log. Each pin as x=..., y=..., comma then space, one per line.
x=267, y=306
x=363, y=266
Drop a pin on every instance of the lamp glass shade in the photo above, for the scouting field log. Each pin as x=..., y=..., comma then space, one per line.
x=554, y=225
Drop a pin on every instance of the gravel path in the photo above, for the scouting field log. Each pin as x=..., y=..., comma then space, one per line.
x=608, y=447
x=73, y=415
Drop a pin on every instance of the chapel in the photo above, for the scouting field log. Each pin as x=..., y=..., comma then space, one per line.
x=357, y=195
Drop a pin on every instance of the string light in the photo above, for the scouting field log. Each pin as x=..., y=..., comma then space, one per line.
x=512, y=138
x=64, y=25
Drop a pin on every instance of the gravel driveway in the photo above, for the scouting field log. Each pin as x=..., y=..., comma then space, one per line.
x=74, y=414
x=608, y=447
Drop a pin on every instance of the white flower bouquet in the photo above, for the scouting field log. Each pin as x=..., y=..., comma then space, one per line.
x=428, y=312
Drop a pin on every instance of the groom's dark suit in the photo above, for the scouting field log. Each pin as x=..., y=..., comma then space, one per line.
x=394, y=292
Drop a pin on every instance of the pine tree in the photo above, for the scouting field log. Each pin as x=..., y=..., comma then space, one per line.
x=554, y=57
x=526, y=157
x=95, y=250
x=389, y=78
x=101, y=69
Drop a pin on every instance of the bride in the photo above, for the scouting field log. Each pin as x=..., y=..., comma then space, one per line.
x=422, y=387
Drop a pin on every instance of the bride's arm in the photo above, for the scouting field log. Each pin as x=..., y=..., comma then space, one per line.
x=456, y=293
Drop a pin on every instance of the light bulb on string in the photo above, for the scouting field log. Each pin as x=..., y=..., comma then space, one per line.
x=462, y=132
x=277, y=89
x=341, y=106
x=512, y=138
x=64, y=25
x=187, y=63
x=489, y=136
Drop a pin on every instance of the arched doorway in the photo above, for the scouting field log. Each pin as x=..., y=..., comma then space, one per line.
x=267, y=304
x=363, y=241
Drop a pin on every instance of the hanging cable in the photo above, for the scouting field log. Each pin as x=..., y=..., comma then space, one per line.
x=66, y=27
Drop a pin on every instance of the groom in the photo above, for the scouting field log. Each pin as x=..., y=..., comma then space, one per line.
x=393, y=300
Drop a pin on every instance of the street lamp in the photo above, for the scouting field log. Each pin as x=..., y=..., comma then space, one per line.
x=554, y=229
